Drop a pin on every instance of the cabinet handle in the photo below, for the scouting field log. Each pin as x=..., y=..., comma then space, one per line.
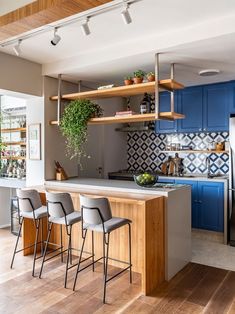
x=199, y=202
x=204, y=129
x=200, y=129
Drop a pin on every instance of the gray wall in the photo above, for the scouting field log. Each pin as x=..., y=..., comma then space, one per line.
x=20, y=75
x=35, y=168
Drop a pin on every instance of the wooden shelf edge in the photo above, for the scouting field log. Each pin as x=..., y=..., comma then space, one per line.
x=124, y=91
x=13, y=157
x=197, y=151
x=133, y=118
x=14, y=143
x=13, y=130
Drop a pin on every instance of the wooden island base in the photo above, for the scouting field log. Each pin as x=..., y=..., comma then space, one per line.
x=147, y=215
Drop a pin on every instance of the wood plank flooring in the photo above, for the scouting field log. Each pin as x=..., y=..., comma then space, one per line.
x=196, y=289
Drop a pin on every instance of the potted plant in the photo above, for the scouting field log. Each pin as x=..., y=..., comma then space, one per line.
x=74, y=125
x=128, y=80
x=138, y=76
x=150, y=76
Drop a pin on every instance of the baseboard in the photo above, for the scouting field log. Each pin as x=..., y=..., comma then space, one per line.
x=4, y=226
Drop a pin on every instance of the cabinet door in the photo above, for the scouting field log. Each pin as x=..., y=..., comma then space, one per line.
x=218, y=100
x=191, y=105
x=194, y=189
x=211, y=205
x=165, y=105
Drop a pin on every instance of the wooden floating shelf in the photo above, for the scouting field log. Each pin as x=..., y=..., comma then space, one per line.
x=13, y=157
x=14, y=143
x=13, y=130
x=197, y=151
x=124, y=91
x=133, y=118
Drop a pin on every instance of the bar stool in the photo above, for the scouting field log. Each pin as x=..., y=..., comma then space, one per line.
x=97, y=216
x=30, y=207
x=61, y=212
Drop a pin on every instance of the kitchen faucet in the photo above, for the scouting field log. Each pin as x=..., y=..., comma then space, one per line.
x=208, y=166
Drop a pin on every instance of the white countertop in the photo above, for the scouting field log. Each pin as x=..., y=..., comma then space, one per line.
x=197, y=177
x=111, y=185
x=12, y=183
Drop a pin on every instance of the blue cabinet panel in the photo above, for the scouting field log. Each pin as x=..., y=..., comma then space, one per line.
x=194, y=190
x=191, y=104
x=165, y=105
x=211, y=206
x=218, y=100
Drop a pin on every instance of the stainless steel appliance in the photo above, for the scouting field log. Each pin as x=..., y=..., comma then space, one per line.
x=231, y=218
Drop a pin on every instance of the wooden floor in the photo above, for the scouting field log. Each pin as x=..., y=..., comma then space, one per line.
x=196, y=289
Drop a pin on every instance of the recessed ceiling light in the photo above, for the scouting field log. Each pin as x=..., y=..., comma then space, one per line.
x=17, y=49
x=56, y=39
x=209, y=72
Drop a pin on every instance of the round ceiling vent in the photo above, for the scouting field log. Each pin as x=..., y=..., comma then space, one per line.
x=209, y=72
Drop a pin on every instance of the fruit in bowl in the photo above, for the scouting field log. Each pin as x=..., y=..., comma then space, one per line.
x=146, y=180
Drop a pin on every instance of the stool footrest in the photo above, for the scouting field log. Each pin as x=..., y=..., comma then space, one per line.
x=119, y=273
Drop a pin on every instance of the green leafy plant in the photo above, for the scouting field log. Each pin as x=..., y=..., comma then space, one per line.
x=128, y=78
x=74, y=125
x=150, y=74
x=139, y=73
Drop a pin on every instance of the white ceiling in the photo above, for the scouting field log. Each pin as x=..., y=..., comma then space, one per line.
x=194, y=34
x=7, y=6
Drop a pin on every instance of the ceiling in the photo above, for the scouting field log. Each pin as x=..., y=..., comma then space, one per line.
x=194, y=35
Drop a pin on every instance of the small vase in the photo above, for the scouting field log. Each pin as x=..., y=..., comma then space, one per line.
x=128, y=82
x=138, y=80
x=151, y=78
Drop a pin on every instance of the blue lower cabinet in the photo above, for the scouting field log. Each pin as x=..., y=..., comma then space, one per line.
x=211, y=206
x=163, y=180
x=195, y=211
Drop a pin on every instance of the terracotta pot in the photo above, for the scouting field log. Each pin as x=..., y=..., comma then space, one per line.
x=138, y=80
x=128, y=82
x=151, y=78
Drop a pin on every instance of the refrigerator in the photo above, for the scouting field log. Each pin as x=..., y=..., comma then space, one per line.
x=231, y=212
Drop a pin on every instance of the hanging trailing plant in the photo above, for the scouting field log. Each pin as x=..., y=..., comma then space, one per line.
x=74, y=125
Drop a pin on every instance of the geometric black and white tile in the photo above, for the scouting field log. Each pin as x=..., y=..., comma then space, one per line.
x=144, y=151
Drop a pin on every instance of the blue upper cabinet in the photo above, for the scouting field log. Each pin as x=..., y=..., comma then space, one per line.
x=165, y=105
x=211, y=206
x=218, y=100
x=191, y=105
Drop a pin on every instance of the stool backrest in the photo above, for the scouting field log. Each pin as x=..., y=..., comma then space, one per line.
x=29, y=200
x=59, y=204
x=95, y=210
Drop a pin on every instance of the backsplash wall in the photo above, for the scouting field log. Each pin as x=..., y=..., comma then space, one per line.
x=144, y=151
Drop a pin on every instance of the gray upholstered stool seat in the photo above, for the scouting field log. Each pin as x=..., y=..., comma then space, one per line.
x=71, y=219
x=38, y=213
x=30, y=207
x=109, y=225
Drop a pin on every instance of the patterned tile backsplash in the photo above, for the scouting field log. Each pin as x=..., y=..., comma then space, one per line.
x=144, y=151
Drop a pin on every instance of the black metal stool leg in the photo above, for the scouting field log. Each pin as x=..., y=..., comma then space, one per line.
x=106, y=266
x=37, y=224
x=42, y=238
x=92, y=252
x=79, y=262
x=129, y=225
x=61, y=243
x=45, y=250
x=17, y=241
x=68, y=256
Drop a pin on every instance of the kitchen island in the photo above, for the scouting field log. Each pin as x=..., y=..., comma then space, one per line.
x=161, y=225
